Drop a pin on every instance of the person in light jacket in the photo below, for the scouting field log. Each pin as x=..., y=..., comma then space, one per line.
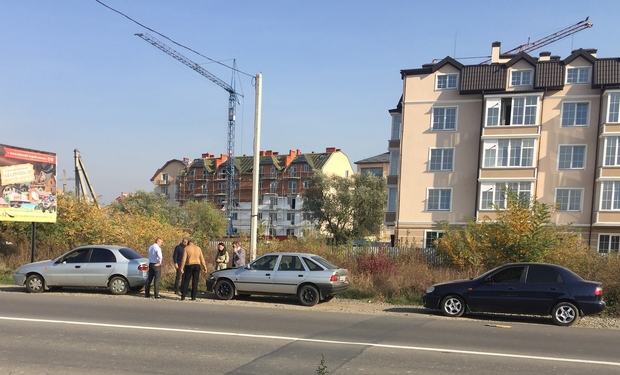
x=221, y=257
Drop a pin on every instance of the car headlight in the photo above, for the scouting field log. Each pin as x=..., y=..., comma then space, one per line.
x=430, y=289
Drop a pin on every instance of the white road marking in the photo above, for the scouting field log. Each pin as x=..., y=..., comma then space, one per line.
x=299, y=339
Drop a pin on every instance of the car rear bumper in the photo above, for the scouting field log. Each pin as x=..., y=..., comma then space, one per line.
x=333, y=288
x=591, y=308
x=135, y=281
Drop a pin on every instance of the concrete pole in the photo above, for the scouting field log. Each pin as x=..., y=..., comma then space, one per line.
x=256, y=166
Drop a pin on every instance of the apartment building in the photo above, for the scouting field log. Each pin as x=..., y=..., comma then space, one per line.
x=164, y=179
x=540, y=126
x=282, y=181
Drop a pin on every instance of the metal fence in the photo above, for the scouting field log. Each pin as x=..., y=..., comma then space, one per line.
x=430, y=255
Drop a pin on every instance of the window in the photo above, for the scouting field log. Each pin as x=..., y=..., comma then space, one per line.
x=571, y=157
x=494, y=194
x=444, y=118
x=293, y=171
x=292, y=186
x=265, y=263
x=614, y=108
x=542, y=274
x=508, y=275
x=306, y=168
x=221, y=186
x=102, y=256
x=521, y=78
x=522, y=110
x=290, y=216
x=439, y=200
x=261, y=185
x=307, y=216
x=610, y=195
x=235, y=215
x=164, y=178
x=291, y=202
x=191, y=186
x=396, y=124
x=394, y=163
x=273, y=187
x=273, y=172
x=164, y=191
x=391, y=206
x=612, y=154
x=374, y=171
x=509, y=153
x=577, y=75
x=446, y=81
x=273, y=218
x=575, y=114
x=441, y=159
x=430, y=236
x=306, y=184
x=608, y=243
x=569, y=199
x=192, y=172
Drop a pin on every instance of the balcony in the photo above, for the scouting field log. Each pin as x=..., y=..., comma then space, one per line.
x=162, y=182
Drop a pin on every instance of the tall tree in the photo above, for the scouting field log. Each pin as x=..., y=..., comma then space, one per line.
x=346, y=208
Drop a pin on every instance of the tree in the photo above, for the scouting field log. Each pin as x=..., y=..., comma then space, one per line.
x=346, y=208
x=149, y=204
x=203, y=221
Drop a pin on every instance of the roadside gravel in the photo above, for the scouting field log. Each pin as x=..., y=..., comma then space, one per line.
x=341, y=306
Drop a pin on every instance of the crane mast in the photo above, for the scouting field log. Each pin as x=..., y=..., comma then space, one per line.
x=531, y=46
x=232, y=108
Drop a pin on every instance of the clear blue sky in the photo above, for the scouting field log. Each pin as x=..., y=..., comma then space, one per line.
x=73, y=75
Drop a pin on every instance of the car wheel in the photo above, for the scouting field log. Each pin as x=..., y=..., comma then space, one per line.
x=118, y=285
x=224, y=290
x=35, y=284
x=327, y=298
x=308, y=295
x=452, y=305
x=565, y=314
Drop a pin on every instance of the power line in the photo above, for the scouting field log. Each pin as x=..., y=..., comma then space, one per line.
x=178, y=44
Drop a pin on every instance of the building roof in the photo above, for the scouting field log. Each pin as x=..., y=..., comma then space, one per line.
x=381, y=158
x=164, y=167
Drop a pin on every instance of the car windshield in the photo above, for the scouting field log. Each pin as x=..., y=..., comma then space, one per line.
x=129, y=254
x=324, y=262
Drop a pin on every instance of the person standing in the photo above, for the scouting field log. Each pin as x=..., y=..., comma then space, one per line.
x=221, y=257
x=177, y=257
x=238, y=255
x=192, y=261
x=155, y=259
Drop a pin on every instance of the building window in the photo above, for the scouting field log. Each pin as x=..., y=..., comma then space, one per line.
x=509, y=153
x=164, y=178
x=164, y=191
x=521, y=110
x=568, y=199
x=306, y=184
x=191, y=186
x=610, y=195
x=235, y=216
x=394, y=163
x=292, y=186
x=222, y=174
x=221, y=186
x=571, y=157
x=441, y=159
x=494, y=194
x=261, y=185
x=444, y=118
x=521, y=78
x=614, y=108
x=396, y=125
x=273, y=187
x=192, y=172
x=439, y=200
x=259, y=216
x=306, y=168
x=446, y=81
x=273, y=172
x=374, y=171
x=612, y=153
x=290, y=232
x=575, y=114
x=290, y=217
x=391, y=206
x=430, y=238
x=577, y=75
x=307, y=216
x=293, y=171
x=608, y=243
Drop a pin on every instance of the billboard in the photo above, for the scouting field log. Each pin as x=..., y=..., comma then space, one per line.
x=28, y=185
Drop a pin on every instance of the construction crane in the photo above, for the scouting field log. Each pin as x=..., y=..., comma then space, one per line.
x=531, y=46
x=81, y=179
x=232, y=105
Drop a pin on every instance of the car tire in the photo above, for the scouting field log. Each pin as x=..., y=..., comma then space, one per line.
x=564, y=314
x=453, y=306
x=35, y=284
x=224, y=290
x=118, y=285
x=308, y=295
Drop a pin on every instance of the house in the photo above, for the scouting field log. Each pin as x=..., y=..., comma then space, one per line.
x=165, y=179
x=377, y=165
x=541, y=126
x=283, y=179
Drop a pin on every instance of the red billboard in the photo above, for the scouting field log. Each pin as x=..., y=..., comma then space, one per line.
x=28, y=185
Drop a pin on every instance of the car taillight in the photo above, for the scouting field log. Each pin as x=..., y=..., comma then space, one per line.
x=598, y=291
x=333, y=278
x=143, y=267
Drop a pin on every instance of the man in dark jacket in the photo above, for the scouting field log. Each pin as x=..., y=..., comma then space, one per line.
x=177, y=258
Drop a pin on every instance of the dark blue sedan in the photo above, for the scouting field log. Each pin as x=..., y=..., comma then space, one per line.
x=520, y=288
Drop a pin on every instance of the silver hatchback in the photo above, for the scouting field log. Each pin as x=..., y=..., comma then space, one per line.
x=309, y=277
x=114, y=267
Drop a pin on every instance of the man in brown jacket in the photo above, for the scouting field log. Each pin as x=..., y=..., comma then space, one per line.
x=192, y=261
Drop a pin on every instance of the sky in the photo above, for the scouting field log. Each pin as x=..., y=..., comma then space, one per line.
x=73, y=75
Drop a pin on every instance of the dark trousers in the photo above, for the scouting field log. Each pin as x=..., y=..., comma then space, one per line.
x=191, y=271
x=154, y=275
x=177, y=280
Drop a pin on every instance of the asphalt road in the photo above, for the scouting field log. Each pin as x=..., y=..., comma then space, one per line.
x=96, y=333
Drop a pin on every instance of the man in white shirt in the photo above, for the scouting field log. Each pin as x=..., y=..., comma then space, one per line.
x=155, y=258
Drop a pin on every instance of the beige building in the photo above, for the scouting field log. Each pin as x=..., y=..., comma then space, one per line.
x=545, y=127
x=165, y=179
x=377, y=165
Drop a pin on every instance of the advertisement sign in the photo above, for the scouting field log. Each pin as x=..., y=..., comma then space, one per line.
x=28, y=185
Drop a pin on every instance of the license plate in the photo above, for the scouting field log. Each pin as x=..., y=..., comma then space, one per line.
x=342, y=278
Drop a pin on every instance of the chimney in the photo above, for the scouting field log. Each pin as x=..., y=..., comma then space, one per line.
x=329, y=150
x=268, y=153
x=219, y=161
x=495, y=52
x=261, y=153
x=185, y=161
x=298, y=152
x=204, y=156
x=289, y=158
x=544, y=56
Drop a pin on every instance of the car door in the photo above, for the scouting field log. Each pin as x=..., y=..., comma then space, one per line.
x=68, y=270
x=289, y=274
x=499, y=292
x=543, y=287
x=257, y=277
x=101, y=265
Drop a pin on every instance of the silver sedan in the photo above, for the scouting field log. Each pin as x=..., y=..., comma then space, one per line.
x=114, y=267
x=309, y=277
